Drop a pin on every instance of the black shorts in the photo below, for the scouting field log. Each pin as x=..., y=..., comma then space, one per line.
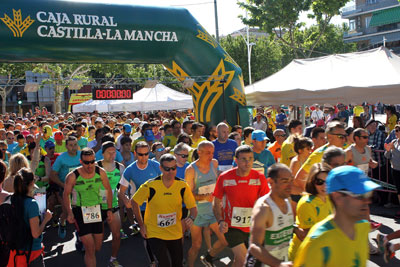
x=104, y=213
x=85, y=228
x=236, y=237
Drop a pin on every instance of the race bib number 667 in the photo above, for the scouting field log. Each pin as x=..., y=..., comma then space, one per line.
x=166, y=220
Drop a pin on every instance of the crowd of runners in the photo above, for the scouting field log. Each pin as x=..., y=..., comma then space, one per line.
x=276, y=193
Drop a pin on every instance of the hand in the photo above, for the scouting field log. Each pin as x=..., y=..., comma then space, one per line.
x=38, y=138
x=188, y=222
x=47, y=216
x=223, y=227
x=301, y=233
x=143, y=231
x=110, y=216
x=71, y=218
x=209, y=197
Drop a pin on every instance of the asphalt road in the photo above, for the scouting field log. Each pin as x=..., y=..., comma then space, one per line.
x=62, y=253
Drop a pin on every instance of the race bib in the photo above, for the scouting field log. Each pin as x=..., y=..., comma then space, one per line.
x=91, y=214
x=364, y=168
x=241, y=217
x=207, y=189
x=166, y=220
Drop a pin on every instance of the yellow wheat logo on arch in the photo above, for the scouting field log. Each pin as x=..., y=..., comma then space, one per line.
x=17, y=26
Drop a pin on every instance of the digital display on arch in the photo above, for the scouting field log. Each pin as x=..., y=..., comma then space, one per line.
x=111, y=94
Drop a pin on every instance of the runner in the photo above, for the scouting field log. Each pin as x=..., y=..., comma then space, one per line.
x=161, y=225
x=201, y=177
x=64, y=164
x=234, y=218
x=114, y=172
x=341, y=239
x=272, y=221
x=224, y=148
x=86, y=182
x=262, y=157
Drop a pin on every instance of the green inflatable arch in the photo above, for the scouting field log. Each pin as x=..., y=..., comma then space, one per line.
x=79, y=32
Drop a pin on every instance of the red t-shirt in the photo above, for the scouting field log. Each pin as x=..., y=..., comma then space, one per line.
x=239, y=193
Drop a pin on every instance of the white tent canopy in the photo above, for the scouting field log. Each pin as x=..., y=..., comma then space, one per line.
x=92, y=105
x=370, y=76
x=160, y=97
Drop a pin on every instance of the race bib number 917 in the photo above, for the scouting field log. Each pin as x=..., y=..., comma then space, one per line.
x=91, y=214
x=241, y=217
x=166, y=220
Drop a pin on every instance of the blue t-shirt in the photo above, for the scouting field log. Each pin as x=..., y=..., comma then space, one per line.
x=31, y=210
x=344, y=114
x=279, y=118
x=180, y=171
x=263, y=160
x=65, y=163
x=17, y=149
x=11, y=147
x=139, y=176
x=129, y=162
x=224, y=152
x=118, y=156
x=83, y=142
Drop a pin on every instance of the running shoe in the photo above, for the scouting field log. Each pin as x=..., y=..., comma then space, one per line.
x=114, y=263
x=135, y=228
x=372, y=249
x=205, y=262
x=388, y=254
x=374, y=225
x=62, y=230
x=380, y=241
x=123, y=235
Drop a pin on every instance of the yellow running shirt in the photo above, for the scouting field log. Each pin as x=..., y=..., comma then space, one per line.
x=315, y=157
x=326, y=245
x=357, y=110
x=392, y=122
x=164, y=207
x=310, y=210
x=287, y=152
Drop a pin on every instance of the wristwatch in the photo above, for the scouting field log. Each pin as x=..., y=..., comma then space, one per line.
x=191, y=217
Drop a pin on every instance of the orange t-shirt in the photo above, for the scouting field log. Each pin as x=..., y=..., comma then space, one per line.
x=275, y=149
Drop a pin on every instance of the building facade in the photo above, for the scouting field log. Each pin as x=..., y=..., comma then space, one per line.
x=373, y=23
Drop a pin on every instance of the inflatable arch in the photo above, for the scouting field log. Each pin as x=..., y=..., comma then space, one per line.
x=81, y=32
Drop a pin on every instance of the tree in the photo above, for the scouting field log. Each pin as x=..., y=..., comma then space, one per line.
x=280, y=17
x=265, y=56
x=60, y=76
x=12, y=74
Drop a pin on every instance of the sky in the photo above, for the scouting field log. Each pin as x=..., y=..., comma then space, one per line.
x=203, y=11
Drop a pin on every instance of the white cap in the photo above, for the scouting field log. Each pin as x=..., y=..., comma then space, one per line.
x=99, y=119
x=136, y=120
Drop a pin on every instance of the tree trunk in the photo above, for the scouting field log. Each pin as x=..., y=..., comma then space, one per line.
x=3, y=101
x=57, y=97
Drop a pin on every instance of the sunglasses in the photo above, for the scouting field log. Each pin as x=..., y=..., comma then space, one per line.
x=364, y=196
x=182, y=155
x=142, y=154
x=87, y=162
x=319, y=181
x=161, y=149
x=364, y=136
x=341, y=136
x=167, y=169
x=397, y=130
x=282, y=135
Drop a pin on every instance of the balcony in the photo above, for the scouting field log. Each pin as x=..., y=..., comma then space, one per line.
x=369, y=6
x=359, y=32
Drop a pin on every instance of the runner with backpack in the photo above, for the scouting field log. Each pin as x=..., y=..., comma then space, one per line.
x=23, y=238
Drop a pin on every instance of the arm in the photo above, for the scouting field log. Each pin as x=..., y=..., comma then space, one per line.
x=47, y=165
x=372, y=163
x=36, y=154
x=36, y=228
x=139, y=219
x=69, y=185
x=217, y=209
x=300, y=178
x=55, y=179
x=349, y=157
x=107, y=187
x=261, y=218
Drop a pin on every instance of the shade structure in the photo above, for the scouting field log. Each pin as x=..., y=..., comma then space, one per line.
x=370, y=76
x=92, y=105
x=160, y=97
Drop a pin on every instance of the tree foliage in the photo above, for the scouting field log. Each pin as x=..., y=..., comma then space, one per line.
x=281, y=17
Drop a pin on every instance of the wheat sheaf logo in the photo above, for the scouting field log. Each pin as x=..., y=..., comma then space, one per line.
x=17, y=26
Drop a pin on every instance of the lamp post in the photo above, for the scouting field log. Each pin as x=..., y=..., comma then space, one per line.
x=249, y=47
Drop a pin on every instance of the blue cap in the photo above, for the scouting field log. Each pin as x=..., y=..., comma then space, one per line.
x=349, y=178
x=259, y=135
x=49, y=144
x=127, y=128
x=149, y=136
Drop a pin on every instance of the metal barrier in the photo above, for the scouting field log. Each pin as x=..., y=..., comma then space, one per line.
x=381, y=180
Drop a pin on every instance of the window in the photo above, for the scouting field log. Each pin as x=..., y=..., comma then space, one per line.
x=387, y=27
x=367, y=21
x=372, y=1
x=352, y=25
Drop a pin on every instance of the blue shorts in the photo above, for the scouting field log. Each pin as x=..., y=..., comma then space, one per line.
x=205, y=219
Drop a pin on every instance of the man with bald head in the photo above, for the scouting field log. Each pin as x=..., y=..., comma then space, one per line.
x=275, y=148
x=224, y=148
